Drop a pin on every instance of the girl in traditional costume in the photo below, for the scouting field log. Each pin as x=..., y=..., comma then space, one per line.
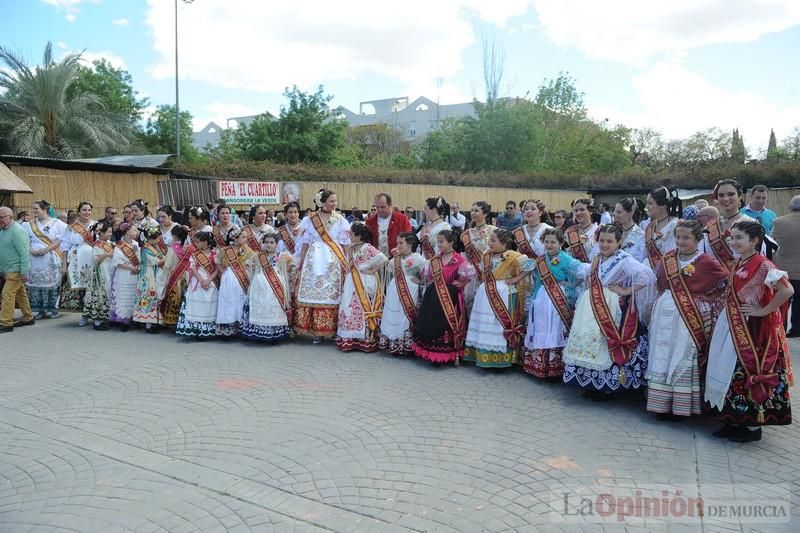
x=441, y=324
x=198, y=316
x=232, y=261
x=580, y=237
x=362, y=296
x=529, y=236
x=436, y=209
x=497, y=322
x=198, y=221
x=147, y=309
x=627, y=215
x=222, y=231
x=551, y=307
x=165, y=224
x=96, y=302
x=749, y=368
x=607, y=345
x=257, y=228
x=717, y=241
x=268, y=309
x=475, y=240
x=77, y=243
x=291, y=231
x=323, y=260
x=176, y=264
x=403, y=295
x=125, y=266
x=140, y=213
x=663, y=208
x=47, y=258
x=690, y=283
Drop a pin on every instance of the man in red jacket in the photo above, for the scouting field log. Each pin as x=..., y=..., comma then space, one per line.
x=386, y=224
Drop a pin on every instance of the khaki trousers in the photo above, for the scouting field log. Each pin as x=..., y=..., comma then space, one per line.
x=14, y=296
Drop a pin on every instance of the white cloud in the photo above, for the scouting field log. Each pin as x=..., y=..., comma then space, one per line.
x=62, y=45
x=220, y=112
x=120, y=22
x=70, y=7
x=111, y=57
x=631, y=31
x=70, y=17
x=679, y=102
x=266, y=46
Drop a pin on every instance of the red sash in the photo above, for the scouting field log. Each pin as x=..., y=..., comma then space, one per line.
x=513, y=330
x=154, y=250
x=107, y=246
x=454, y=320
x=42, y=237
x=373, y=311
x=218, y=238
x=403, y=291
x=721, y=249
x=621, y=342
x=127, y=251
x=327, y=239
x=83, y=232
x=472, y=253
x=207, y=265
x=554, y=292
x=427, y=248
x=273, y=280
x=162, y=247
x=236, y=266
x=252, y=242
x=653, y=253
x=575, y=245
x=759, y=367
x=686, y=304
x=287, y=238
x=523, y=246
x=176, y=276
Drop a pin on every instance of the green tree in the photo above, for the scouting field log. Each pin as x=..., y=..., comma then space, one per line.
x=738, y=151
x=561, y=96
x=305, y=131
x=159, y=135
x=40, y=117
x=772, y=147
x=114, y=88
x=791, y=145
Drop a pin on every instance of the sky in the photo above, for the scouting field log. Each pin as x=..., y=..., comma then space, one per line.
x=675, y=66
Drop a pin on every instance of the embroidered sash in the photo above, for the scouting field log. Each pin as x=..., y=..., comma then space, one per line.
x=207, y=265
x=373, y=311
x=162, y=247
x=513, y=330
x=287, y=238
x=236, y=266
x=554, y=292
x=156, y=251
x=575, y=245
x=427, y=247
x=621, y=341
x=761, y=377
x=327, y=239
x=687, y=307
x=404, y=292
x=127, y=251
x=523, y=246
x=218, y=238
x=654, y=255
x=44, y=238
x=107, y=246
x=83, y=232
x=252, y=242
x=176, y=276
x=454, y=319
x=721, y=249
x=472, y=253
x=273, y=279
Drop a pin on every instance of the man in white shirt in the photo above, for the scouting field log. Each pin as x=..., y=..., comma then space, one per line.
x=456, y=219
x=605, y=215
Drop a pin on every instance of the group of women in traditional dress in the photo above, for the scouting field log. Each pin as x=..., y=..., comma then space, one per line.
x=692, y=313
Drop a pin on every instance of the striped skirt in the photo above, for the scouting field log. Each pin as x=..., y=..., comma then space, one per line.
x=683, y=398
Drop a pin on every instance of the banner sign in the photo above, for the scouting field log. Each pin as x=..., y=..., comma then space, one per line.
x=250, y=192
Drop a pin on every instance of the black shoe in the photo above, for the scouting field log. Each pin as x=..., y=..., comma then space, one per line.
x=125, y=327
x=663, y=417
x=153, y=329
x=746, y=435
x=794, y=334
x=725, y=431
x=22, y=323
x=6, y=329
x=101, y=327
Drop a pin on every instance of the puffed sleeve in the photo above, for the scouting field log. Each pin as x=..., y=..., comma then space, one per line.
x=774, y=275
x=466, y=271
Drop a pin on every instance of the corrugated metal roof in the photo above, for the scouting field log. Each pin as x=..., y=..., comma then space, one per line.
x=147, y=160
x=78, y=164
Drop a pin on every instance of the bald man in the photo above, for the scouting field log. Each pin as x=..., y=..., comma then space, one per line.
x=15, y=265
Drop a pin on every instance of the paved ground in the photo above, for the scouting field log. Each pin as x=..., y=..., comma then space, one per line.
x=131, y=432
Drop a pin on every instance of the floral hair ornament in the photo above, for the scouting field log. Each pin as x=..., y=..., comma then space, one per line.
x=318, y=199
x=439, y=202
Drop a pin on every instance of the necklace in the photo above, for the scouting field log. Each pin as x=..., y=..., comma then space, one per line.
x=686, y=257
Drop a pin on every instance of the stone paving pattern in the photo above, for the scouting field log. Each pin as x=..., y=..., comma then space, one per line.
x=110, y=431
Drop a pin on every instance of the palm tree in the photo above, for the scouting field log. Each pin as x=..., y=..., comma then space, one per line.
x=39, y=118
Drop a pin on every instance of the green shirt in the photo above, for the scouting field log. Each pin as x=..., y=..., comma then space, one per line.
x=15, y=255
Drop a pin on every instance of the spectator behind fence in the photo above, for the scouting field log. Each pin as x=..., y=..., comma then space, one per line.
x=757, y=208
x=511, y=219
x=786, y=232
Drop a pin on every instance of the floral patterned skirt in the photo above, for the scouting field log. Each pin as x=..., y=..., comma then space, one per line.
x=312, y=320
x=739, y=409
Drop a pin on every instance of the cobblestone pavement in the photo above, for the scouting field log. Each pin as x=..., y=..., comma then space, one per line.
x=132, y=432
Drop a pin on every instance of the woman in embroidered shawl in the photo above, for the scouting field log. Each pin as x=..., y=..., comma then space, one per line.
x=580, y=237
x=475, y=240
x=676, y=363
x=490, y=342
x=749, y=374
x=147, y=310
x=124, y=271
x=547, y=331
x=627, y=215
x=267, y=311
x=602, y=358
x=663, y=208
x=95, y=304
x=257, y=228
x=323, y=252
x=222, y=231
x=397, y=327
x=717, y=240
x=77, y=245
x=198, y=316
x=439, y=336
x=291, y=231
x=140, y=217
x=436, y=209
x=232, y=295
x=44, y=281
x=534, y=213
x=173, y=284
x=359, y=319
